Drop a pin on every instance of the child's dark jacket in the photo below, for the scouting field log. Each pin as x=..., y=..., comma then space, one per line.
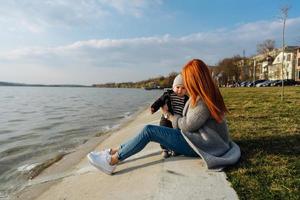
x=165, y=99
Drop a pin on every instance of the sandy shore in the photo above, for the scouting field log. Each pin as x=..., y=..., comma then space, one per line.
x=145, y=175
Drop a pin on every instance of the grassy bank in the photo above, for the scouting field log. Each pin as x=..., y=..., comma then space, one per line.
x=268, y=132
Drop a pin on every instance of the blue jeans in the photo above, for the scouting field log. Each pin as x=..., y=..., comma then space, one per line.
x=168, y=137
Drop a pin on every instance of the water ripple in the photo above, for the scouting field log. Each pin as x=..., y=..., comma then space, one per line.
x=47, y=127
x=16, y=120
x=7, y=131
x=56, y=118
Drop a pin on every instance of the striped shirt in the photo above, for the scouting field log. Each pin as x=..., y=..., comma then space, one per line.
x=177, y=103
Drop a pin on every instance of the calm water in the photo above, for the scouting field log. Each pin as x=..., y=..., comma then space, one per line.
x=38, y=123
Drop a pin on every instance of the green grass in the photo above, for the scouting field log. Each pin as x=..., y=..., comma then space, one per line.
x=268, y=133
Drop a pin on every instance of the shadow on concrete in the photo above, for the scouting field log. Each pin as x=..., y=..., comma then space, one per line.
x=171, y=159
x=141, y=157
x=129, y=169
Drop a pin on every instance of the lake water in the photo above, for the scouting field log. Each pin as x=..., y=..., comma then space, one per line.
x=39, y=123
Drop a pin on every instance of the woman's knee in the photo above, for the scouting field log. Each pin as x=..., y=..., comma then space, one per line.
x=148, y=130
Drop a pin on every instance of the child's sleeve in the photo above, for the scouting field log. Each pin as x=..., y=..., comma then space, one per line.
x=158, y=103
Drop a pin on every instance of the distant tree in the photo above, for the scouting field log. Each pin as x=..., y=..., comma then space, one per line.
x=161, y=78
x=229, y=69
x=266, y=46
x=171, y=78
x=157, y=82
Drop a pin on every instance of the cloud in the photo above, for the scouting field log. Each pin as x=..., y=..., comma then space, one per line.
x=38, y=16
x=132, y=59
x=134, y=7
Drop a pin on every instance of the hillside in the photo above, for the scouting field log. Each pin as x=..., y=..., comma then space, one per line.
x=152, y=83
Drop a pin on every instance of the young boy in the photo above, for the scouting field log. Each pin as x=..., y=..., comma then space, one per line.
x=175, y=100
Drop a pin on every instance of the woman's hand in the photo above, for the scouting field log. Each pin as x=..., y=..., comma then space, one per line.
x=164, y=109
x=166, y=113
x=170, y=117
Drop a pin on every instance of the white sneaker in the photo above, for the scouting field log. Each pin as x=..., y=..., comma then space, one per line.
x=95, y=153
x=99, y=152
x=101, y=161
x=108, y=151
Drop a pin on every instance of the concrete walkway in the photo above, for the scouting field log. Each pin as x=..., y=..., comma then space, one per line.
x=143, y=176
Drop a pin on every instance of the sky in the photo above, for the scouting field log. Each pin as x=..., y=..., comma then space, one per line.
x=99, y=41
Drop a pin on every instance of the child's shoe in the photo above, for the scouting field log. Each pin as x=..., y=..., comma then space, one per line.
x=165, y=153
x=173, y=153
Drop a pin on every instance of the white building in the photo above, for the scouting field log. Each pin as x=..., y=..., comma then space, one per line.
x=275, y=71
x=297, y=70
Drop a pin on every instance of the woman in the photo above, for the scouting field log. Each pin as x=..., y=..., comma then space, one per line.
x=201, y=132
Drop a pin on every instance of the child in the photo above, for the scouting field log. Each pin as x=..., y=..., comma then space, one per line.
x=174, y=100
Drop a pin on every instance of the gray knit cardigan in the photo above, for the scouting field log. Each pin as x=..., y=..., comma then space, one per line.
x=209, y=139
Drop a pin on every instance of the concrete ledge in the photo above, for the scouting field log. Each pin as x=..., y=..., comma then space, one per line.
x=145, y=175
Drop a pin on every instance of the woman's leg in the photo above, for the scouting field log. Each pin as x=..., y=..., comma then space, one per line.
x=168, y=137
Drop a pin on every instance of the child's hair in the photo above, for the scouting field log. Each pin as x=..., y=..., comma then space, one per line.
x=199, y=83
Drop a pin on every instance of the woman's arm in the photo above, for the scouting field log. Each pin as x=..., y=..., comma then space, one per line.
x=194, y=119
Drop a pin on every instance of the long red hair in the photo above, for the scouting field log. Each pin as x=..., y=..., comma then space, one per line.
x=200, y=86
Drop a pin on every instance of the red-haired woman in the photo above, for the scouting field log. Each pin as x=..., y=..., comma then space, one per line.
x=200, y=132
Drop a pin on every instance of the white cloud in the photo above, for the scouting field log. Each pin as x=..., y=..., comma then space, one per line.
x=135, y=7
x=38, y=16
x=96, y=61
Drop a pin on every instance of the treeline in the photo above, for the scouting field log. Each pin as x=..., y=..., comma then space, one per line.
x=240, y=68
x=224, y=72
x=227, y=70
x=152, y=83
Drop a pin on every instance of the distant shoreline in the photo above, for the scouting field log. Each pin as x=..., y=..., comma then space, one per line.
x=41, y=85
x=160, y=82
x=73, y=86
